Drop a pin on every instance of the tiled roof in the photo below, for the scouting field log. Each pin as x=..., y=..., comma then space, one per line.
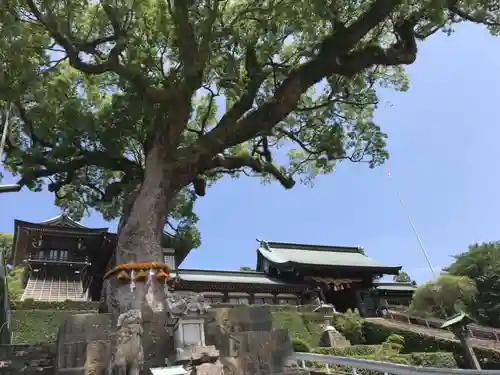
x=227, y=277
x=334, y=256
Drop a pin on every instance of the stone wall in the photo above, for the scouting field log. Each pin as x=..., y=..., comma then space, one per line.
x=248, y=343
x=27, y=359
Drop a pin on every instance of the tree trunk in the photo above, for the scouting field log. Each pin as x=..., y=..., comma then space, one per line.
x=139, y=241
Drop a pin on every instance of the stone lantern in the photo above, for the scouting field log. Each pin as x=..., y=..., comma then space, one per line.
x=458, y=325
x=188, y=309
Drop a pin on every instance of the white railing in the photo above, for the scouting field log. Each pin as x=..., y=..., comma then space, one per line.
x=383, y=367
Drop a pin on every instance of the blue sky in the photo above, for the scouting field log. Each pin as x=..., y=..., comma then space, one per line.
x=443, y=141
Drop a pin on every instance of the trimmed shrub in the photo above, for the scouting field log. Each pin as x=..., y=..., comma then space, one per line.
x=36, y=326
x=380, y=353
x=30, y=304
x=300, y=346
x=395, y=339
x=395, y=342
x=440, y=360
x=35, y=322
x=416, y=342
x=350, y=351
x=373, y=352
x=350, y=324
x=303, y=326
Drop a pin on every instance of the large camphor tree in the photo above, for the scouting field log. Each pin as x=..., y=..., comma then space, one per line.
x=133, y=107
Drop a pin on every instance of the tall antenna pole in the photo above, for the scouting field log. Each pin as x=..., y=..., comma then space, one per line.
x=422, y=247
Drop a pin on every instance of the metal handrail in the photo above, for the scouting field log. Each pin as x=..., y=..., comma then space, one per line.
x=473, y=328
x=385, y=367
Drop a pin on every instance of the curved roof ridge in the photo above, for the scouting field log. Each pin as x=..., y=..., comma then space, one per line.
x=311, y=247
x=61, y=218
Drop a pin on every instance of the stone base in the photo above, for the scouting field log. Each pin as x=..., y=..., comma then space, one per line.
x=218, y=368
x=195, y=354
x=333, y=339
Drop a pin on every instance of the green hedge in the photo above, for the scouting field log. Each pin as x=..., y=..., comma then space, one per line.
x=350, y=325
x=350, y=351
x=30, y=304
x=416, y=342
x=441, y=360
x=36, y=321
x=302, y=326
x=36, y=326
x=382, y=353
x=300, y=346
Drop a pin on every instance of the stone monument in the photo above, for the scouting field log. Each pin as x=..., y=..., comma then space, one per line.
x=187, y=311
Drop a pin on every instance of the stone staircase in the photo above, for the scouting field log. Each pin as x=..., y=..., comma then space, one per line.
x=27, y=359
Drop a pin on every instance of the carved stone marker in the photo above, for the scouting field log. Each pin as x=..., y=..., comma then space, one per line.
x=247, y=342
x=331, y=338
x=189, y=309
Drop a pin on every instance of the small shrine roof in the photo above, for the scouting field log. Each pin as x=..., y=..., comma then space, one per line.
x=243, y=277
x=395, y=287
x=62, y=220
x=320, y=255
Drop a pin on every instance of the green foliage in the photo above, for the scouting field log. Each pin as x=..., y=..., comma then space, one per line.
x=395, y=339
x=403, y=277
x=300, y=346
x=15, y=285
x=246, y=269
x=383, y=353
x=201, y=89
x=448, y=295
x=481, y=263
x=350, y=351
x=30, y=304
x=6, y=246
x=350, y=324
x=416, y=342
x=373, y=352
x=439, y=360
x=302, y=326
x=36, y=321
x=36, y=326
x=395, y=342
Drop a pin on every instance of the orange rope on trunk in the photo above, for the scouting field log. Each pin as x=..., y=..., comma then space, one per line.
x=123, y=271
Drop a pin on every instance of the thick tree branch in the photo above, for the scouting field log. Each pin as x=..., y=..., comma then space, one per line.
x=256, y=77
x=30, y=128
x=189, y=51
x=454, y=8
x=257, y=165
x=335, y=57
x=42, y=168
x=111, y=64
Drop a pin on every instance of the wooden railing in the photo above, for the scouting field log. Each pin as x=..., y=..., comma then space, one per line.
x=352, y=365
x=476, y=331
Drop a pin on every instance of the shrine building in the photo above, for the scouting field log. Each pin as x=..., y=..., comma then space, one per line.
x=67, y=261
